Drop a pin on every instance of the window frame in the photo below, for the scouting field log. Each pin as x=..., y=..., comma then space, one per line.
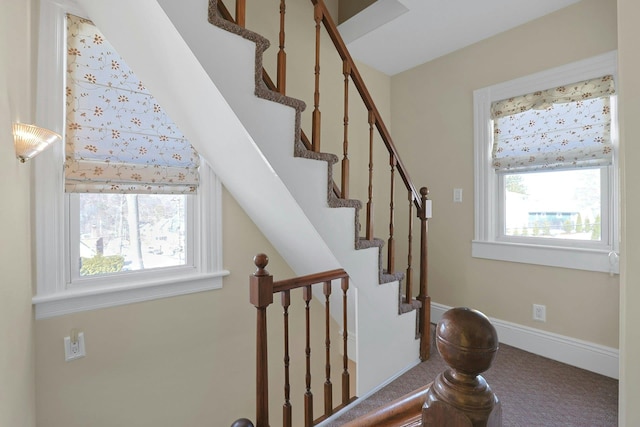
x=488, y=242
x=54, y=296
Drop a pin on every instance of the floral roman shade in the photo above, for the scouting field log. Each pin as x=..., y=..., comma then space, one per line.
x=118, y=139
x=565, y=127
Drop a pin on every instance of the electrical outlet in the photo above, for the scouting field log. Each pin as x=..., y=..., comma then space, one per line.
x=457, y=195
x=539, y=312
x=74, y=348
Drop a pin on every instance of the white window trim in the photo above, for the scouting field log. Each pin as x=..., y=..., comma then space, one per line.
x=53, y=296
x=486, y=243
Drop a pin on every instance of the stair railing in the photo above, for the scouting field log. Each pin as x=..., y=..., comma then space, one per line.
x=261, y=291
x=459, y=396
x=417, y=199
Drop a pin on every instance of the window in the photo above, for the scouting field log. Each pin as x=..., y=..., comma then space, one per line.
x=134, y=214
x=546, y=168
x=114, y=233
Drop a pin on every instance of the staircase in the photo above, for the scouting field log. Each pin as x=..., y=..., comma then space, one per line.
x=253, y=143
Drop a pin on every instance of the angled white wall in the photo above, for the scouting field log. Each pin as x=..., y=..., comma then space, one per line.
x=249, y=142
x=378, y=323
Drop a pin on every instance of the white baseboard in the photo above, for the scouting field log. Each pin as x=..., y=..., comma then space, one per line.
x=582, y=354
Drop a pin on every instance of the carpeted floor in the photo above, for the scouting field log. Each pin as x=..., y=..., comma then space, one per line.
x=534, y=391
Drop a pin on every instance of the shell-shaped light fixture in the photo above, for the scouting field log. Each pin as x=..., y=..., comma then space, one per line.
x=29, y=140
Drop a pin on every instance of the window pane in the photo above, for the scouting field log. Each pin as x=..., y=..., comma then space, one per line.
x=122, y=232
x=560, y=204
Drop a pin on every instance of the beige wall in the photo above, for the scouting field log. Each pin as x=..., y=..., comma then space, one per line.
x=629, y=101
x=432, y=115
x=183, y=361
x=17, y=393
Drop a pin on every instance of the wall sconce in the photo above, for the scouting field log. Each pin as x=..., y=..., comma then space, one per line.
x=29, y=140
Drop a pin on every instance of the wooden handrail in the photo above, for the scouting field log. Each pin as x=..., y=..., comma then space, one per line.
x=358, y=81
x=342, y=50
x=404, y=411
x=311, y=279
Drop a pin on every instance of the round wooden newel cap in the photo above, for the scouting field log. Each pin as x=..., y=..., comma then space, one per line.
x=466, y=340
x=261, y=261
x=242, y=422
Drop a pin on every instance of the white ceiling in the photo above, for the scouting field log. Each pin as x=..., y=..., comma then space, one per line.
x=395, y=35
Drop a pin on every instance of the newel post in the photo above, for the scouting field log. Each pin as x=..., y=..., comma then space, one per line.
x=460, y=396
x=261, y=295
x=423, y=297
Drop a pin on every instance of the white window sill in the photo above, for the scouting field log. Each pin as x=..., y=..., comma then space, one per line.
x=90, y=298
x=553, y=256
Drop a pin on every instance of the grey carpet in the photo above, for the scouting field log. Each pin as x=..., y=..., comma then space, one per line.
x=534, y=391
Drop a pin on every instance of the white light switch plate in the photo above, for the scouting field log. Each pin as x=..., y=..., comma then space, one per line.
x=457, y=195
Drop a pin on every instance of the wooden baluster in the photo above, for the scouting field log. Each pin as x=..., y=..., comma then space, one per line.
x=328, y=387
x=315, y=137
x=346, y=70
x=286, y=407
x=423, y=297
x=345, y=358
x=261, y=295
x=409, y=276
x=369, y=224
x=282, y=55
x=241, y=12
x=308, y=396
x=391, y=244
